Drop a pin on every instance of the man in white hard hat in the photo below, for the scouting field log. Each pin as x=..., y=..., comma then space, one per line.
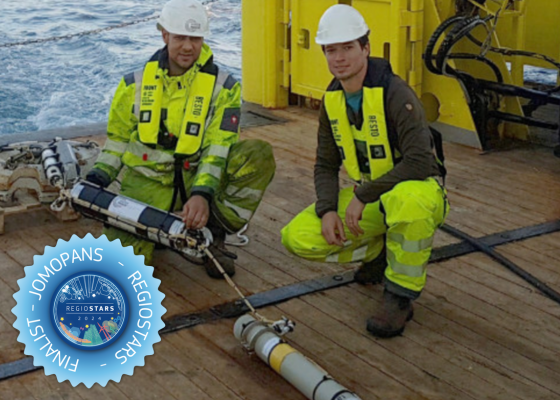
x=372, y=123
x=173, y=136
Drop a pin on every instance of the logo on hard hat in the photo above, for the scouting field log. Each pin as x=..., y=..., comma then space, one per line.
x=192, y=26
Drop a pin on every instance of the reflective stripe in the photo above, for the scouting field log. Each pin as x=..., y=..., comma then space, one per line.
x=110, y=159
x=196, y=114
x=220, y=80
x=138, y=149
x=150, y=173
x=246, y=193
x=138, y=95
x=117, y=147
x=218, y=151
x=242, y=212
x=210, y=169
x=411, y=246
x=413, y=271
x=332, y=258
x=359, y=254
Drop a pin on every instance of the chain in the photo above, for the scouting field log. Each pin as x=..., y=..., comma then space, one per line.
x=85, y=33
x=79, y=34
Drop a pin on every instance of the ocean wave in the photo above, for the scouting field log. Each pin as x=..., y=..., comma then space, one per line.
x=72, y=82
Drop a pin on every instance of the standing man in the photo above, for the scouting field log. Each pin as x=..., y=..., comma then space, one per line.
x=173, y=136
x=372, y=123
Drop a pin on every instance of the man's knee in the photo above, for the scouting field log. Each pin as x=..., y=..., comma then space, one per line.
x=290, y=239
x=252, y=155
x=408, y=201
x=297, y=239
x=303, y=237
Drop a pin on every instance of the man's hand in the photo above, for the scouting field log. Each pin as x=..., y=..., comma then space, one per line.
x=196, y=212
x=333, y=229
x=354, y=215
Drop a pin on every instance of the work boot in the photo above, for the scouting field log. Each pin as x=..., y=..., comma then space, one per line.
x=391, y=316
x=372, y=271
x=222, y=255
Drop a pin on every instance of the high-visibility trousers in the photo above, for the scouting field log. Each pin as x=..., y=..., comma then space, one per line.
x=250, y=168
x=404, y=220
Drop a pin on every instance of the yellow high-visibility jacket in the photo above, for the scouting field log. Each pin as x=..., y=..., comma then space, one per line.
x=186, y=127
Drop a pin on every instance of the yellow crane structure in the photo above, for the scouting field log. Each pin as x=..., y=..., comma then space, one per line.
x=464, y=58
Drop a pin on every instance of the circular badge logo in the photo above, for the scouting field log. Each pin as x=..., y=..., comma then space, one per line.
x=88, y=310
x=192, y=26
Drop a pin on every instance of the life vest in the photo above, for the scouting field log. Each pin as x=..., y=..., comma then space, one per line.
x=196, y=111
x=374, y=129
x=381, y=139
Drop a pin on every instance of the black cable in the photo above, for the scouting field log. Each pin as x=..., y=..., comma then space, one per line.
x=428, y=55
x=490, y=63
x=462, y=26
x=450, y=39
x=453, y=37
x=458, y=21
x=512, y=52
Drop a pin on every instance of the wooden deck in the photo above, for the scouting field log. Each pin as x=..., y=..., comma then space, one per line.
x=479, y=332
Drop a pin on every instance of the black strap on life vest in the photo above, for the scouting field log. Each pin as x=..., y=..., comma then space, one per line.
x=178, y=183
x=166, y=139
x=437, y=140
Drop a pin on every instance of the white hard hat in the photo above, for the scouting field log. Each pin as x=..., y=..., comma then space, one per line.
x=340, y=24
x=184, y=17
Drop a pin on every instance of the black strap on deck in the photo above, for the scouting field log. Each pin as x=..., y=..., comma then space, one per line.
x=489, y=251
x=497, y=239
x=237, y=308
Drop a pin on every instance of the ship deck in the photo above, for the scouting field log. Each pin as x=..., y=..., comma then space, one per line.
x=479, y=331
